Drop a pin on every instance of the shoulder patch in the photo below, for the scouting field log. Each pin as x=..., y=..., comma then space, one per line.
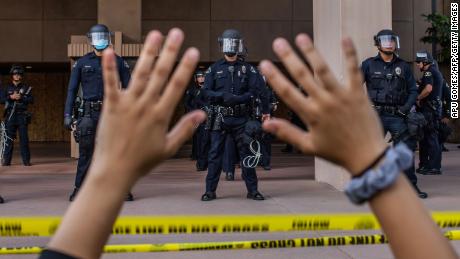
x=427, y=73
x=75, y=64
x=126, y=64
x=208, y=71
x=253, y=70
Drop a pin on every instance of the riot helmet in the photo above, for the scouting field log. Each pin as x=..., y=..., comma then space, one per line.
x=199, y=75
x=99, y=37
x=424, y=57
x=17, y=70
x=387, y=39
x=231, y=42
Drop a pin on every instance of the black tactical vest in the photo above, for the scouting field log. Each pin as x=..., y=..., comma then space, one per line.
x=386, y=84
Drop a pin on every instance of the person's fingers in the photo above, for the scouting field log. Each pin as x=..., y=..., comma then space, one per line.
x=284, y=88
x=286, y=131
x=143, y=69
x=110, y=76
x=164, y=64
x=176, y=86
x=354, y=74
x=319, y=65
x=296, y=66
x=182, y=131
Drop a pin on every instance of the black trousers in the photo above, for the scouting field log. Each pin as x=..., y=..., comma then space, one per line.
x=17, y=123
x=202, y=147
x=86, y=127
x=397, y=127
x=234, y=127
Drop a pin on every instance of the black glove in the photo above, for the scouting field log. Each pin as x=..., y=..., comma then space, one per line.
x=403, y=111
x=68, y=122
x=230, y=99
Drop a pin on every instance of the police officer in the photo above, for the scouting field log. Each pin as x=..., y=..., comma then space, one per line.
x=269, y=105
x=87, y=71
x=18, y=97
x=229, y=86
x=392, y=88
x=295, y=120
x=429, y=103
x=2, y=101
x=444, y=129
x=189, y=103
x=195, y=100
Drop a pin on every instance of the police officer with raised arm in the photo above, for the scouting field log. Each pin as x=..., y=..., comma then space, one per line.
x=429, y=104
x=392, y=89
x=87, y=72
x=230, y=84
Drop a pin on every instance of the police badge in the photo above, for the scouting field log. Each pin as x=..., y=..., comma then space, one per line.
x=398, y=71
x=243, y=69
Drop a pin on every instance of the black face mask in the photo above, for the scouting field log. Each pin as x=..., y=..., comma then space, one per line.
x=424, y=68
x=387, y=52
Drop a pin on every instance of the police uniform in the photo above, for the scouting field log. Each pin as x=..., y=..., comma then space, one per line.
x=392, y=88
x=189, y=103
x=430, y=106
x=268, y=102
x=17, y=118
x=229, y=87
x=230, y=158
x=195, y=100
x=444, y=129
x=87, y=71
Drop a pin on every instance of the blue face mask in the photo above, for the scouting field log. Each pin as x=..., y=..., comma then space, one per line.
x=101, y=44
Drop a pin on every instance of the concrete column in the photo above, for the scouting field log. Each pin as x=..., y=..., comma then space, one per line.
x=122, y=15
x=332, y=20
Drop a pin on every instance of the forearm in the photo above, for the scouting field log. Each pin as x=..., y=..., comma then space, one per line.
x=28, y=99
x=412, y=234
x=212, y=96
x=424, y=93
x=88, y=222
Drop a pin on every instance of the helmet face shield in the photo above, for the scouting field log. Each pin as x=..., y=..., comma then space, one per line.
x=99, y=40
x=388, y=41
x=232, y=46
x=421, y=57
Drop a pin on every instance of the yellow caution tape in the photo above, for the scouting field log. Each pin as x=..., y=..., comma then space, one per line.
x=151, y=225
x=228, y=245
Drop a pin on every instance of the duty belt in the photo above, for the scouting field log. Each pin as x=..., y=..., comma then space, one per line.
x=387, y=109
x=235, y=111
x=92, y=106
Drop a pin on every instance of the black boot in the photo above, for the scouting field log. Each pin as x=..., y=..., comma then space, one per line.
x=420, y=169
x=431, y=172
x=230, y=176
x=208, y=196
x=129, y=197
x=1, y=200
x=74, y=194
x=257, y=196
x=421, y=195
